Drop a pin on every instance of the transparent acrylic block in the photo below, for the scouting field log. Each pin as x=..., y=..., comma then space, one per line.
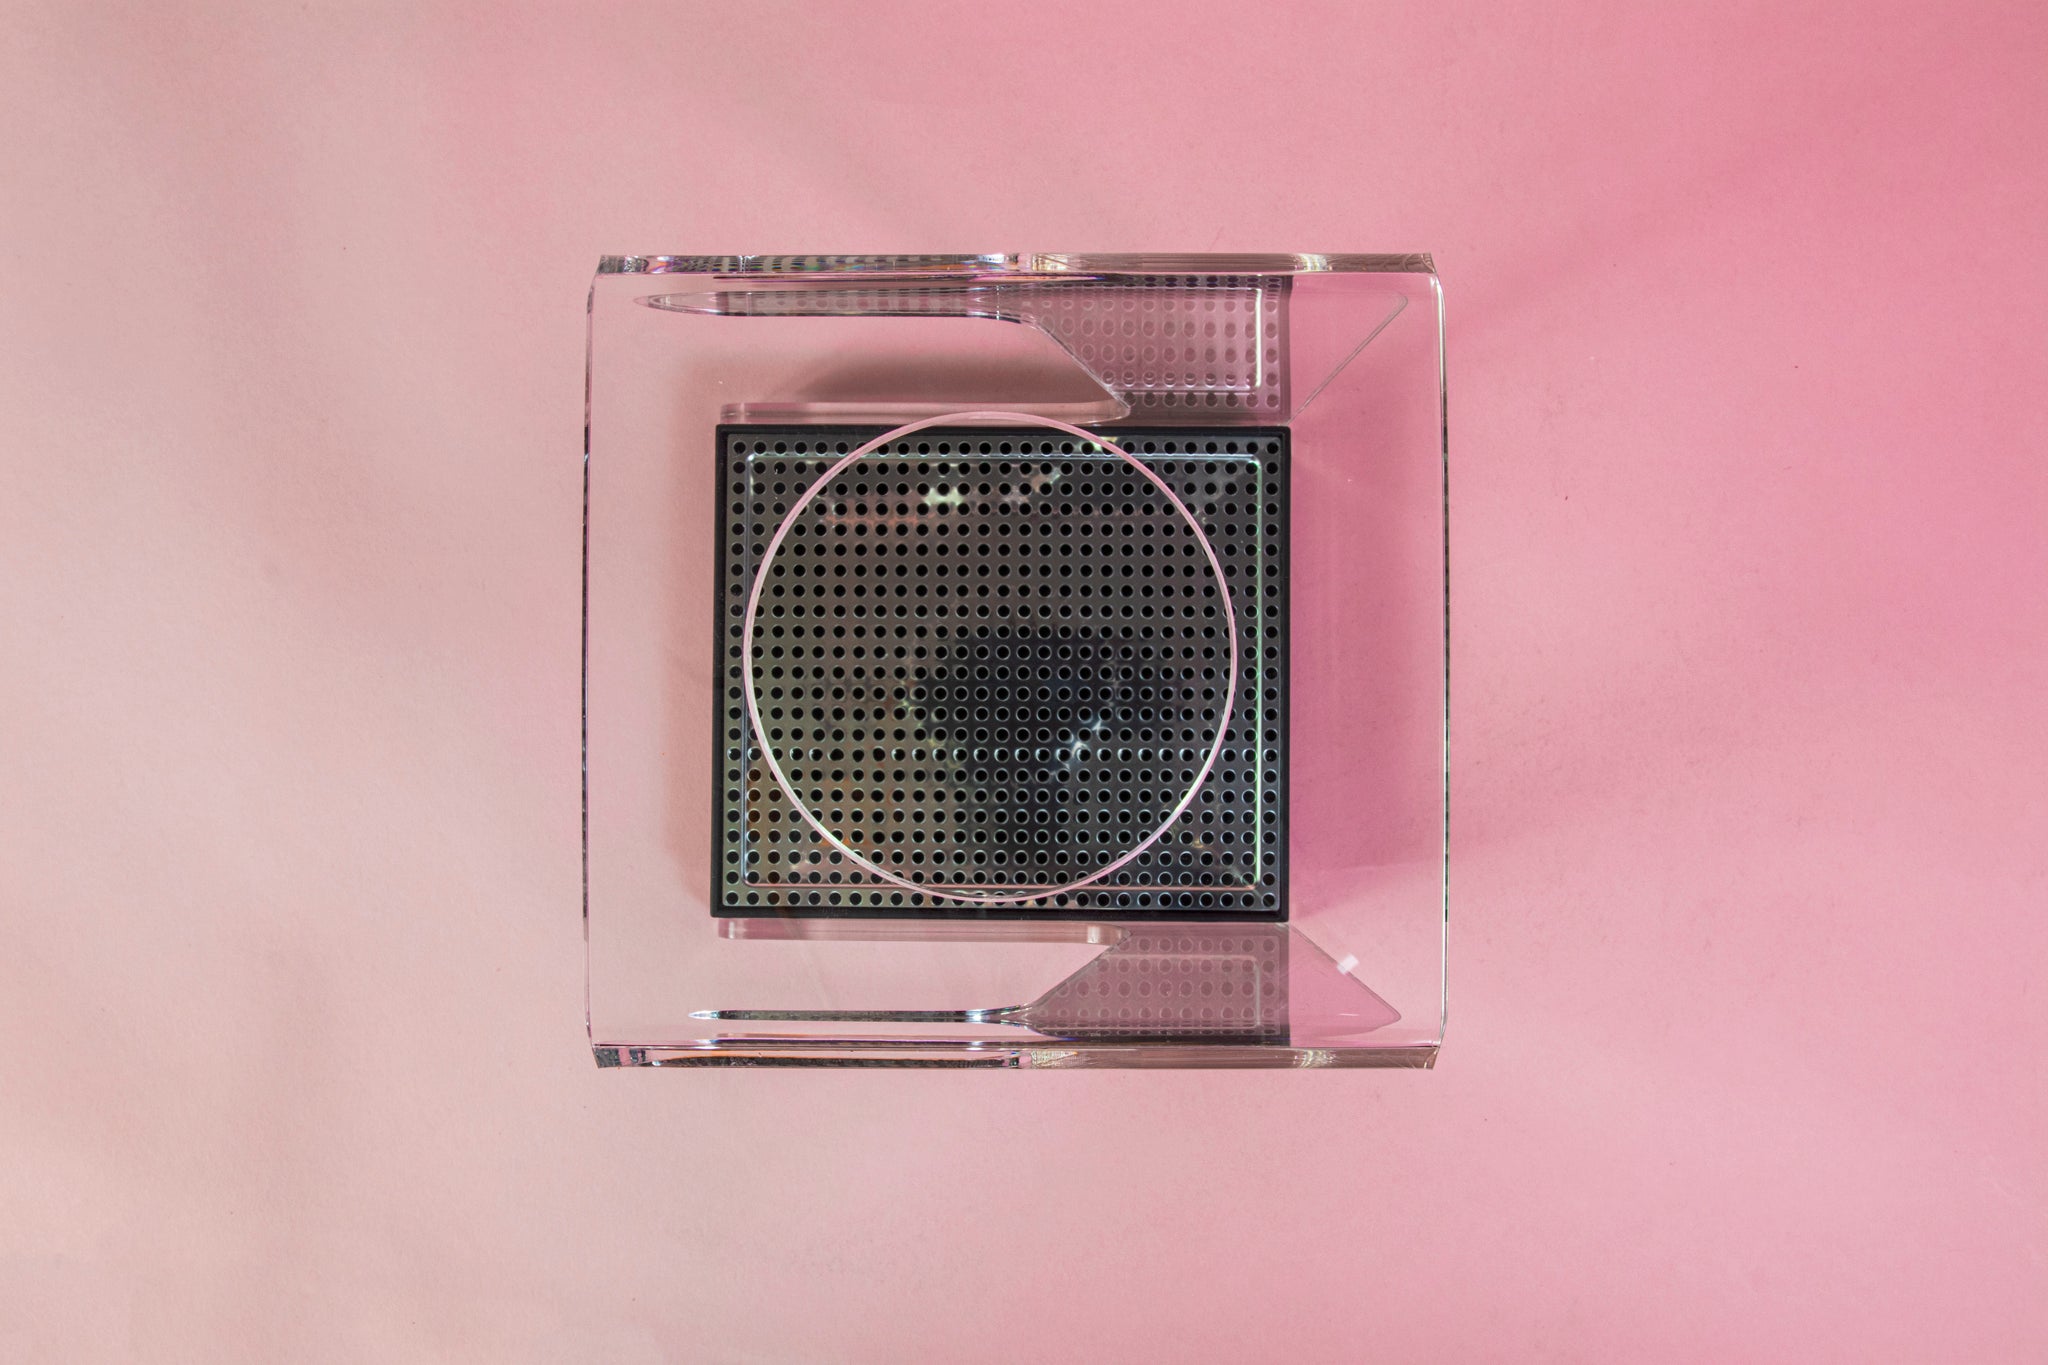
x=1015, y=661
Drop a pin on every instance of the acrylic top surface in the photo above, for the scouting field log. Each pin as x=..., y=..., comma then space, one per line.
x=1026, y=265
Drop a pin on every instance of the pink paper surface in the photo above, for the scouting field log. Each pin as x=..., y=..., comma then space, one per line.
x=1750, y=759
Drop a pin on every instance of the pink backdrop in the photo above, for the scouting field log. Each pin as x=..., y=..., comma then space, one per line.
x=1751, y=487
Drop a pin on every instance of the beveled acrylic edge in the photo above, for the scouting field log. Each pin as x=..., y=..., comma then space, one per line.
x=1023, y=265
x=785, y=929
x=1021, y=1057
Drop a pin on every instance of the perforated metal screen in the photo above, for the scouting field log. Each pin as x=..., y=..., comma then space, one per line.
x=994, y=659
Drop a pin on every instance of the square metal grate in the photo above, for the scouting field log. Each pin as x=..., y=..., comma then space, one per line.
x=994, y=658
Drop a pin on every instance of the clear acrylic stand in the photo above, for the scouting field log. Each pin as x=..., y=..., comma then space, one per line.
x=990, y=659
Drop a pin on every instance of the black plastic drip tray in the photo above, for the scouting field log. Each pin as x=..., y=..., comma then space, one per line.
x=995, y=658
